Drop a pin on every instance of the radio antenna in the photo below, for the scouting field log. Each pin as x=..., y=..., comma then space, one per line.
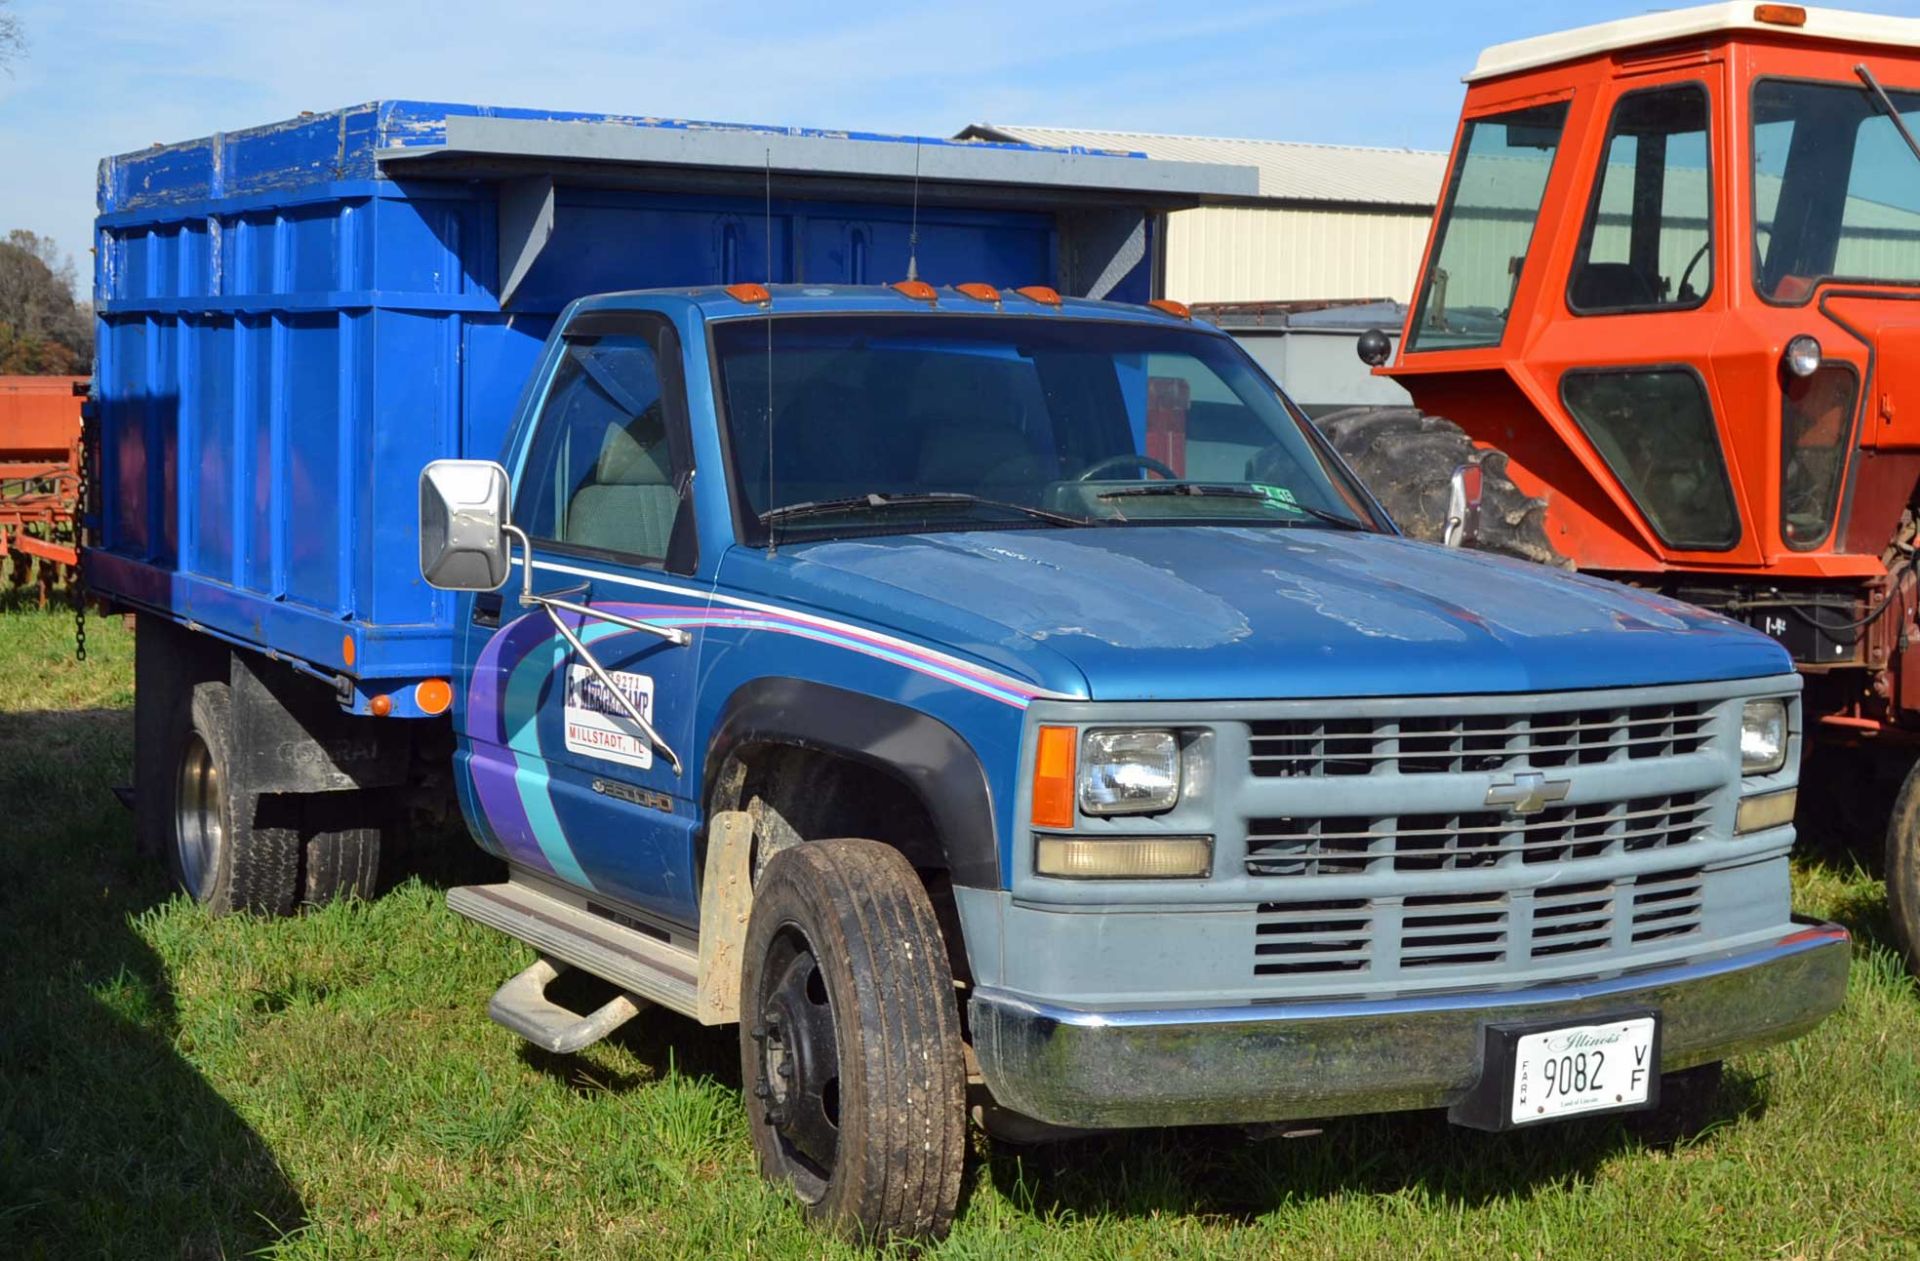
x=913, y=232
x=768, y=227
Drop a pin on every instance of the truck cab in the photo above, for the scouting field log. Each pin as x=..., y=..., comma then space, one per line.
x=1054, y=622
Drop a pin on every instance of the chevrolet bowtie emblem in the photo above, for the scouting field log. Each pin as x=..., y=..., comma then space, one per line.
x=1529, y=793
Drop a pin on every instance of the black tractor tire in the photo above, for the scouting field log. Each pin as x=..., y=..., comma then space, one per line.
x=850, y=1045
x=1407, y=459
x=342, y=835
x=218, y=852
x=1903, y=868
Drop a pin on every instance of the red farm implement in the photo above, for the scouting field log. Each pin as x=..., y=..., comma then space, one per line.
x=39, y=480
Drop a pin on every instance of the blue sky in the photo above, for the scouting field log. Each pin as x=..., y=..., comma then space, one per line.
x=106, y=77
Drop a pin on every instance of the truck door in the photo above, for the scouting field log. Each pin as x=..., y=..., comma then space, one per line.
x=562, y=782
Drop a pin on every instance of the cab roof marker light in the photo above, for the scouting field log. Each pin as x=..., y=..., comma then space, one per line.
x=918, y=290
x=979, y=292
x=1040, y=293
x=751, y=294
x=1178, y=310
x=1780, y=14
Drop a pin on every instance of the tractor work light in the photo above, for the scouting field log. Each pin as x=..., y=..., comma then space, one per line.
x=1124, y=857
x=1129, y=771
x=1803, y=355
x=1763, y=737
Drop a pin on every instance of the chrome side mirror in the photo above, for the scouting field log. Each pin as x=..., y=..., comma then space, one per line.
x=463, y=525
x=1463, y=507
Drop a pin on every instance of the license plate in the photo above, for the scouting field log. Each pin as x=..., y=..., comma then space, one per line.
x=1584, y=1068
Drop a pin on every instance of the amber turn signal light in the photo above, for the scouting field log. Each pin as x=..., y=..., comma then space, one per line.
x=433, y=696
x=1053, y=770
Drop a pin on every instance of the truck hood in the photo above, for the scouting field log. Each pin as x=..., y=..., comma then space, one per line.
x=1190, y=613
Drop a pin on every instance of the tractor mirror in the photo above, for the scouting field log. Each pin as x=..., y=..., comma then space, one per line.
x=1374, y=348
x=463, y=525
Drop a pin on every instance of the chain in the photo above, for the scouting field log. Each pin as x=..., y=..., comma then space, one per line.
x=77, y=589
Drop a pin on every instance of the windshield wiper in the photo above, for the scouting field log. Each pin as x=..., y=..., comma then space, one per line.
x=877, y=501
x=1886, y=106
x=1202, y=490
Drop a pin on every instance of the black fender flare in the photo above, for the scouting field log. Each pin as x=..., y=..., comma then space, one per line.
x=920, y=751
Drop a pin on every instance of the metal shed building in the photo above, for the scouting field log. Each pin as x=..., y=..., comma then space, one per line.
x=1329, y=221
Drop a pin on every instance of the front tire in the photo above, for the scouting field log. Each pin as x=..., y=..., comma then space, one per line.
x=1903, y=868
x=850, y=1041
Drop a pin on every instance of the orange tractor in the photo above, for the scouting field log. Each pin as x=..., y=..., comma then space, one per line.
x=39, y=481
x=1670, y=314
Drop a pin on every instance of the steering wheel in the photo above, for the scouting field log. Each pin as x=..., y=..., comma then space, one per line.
x=1680, y=294
x=1125, y=460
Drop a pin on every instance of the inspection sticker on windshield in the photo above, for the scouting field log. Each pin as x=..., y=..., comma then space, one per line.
x=1278, y=497
x=596, y=724
x=1582, y=1068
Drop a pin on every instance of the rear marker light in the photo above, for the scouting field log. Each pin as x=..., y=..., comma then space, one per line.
x=380, y=706
x=1780, y=14
x=1053, y=777
x=433, y=696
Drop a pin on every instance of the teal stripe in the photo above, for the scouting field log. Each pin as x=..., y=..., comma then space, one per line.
x=530, y=777
x=520, y=714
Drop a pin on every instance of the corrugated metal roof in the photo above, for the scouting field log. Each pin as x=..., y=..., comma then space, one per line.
x=1289, y=170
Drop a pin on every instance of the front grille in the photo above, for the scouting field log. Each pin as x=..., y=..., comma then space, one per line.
x=1479, y=932
x=1455, y=743
x=1344, y=845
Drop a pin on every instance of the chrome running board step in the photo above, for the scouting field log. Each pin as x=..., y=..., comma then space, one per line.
x=643, y=965
x=522, y=1005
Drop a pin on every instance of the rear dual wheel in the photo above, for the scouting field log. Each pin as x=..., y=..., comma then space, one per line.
x=231, y=850
x=850, y=1041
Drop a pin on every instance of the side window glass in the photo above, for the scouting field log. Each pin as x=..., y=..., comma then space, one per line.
x=1648, y=242
x=1654, y=427
x=1486, y=229
x=606, y=470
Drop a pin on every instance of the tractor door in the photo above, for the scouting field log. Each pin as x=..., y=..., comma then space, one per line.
x=1645, y=300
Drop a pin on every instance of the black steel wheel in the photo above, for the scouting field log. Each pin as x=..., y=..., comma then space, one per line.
x=850, y=1041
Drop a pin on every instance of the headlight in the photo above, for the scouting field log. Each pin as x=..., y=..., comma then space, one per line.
x=1129, y=772
x=1763, y=737
x=1803, y=355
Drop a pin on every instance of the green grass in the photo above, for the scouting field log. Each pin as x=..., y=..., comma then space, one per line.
x=330, y=1086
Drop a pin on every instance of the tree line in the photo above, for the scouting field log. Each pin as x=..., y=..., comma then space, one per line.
x=43, y=329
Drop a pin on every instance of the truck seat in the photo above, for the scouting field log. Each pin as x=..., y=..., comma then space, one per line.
x=629, y=504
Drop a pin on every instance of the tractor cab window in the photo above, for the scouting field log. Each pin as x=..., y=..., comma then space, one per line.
x=1648, y=240
x=1836, y=191
x=1493, y=200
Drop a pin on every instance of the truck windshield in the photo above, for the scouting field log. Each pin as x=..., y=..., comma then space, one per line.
x=1836, y=192
x=893, y=424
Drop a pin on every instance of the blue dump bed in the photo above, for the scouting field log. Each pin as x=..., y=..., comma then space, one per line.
x=295, y=318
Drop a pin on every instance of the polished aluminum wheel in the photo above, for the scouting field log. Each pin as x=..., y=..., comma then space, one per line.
x=198, y=829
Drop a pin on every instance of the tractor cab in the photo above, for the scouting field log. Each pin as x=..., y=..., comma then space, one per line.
x=1675, y=277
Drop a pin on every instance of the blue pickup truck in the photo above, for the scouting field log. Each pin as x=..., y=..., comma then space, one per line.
x=855, y=608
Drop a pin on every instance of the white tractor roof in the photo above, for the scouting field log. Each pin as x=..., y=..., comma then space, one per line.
x=1677, y=24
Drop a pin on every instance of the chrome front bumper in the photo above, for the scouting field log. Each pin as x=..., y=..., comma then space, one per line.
x=1291, y=1061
